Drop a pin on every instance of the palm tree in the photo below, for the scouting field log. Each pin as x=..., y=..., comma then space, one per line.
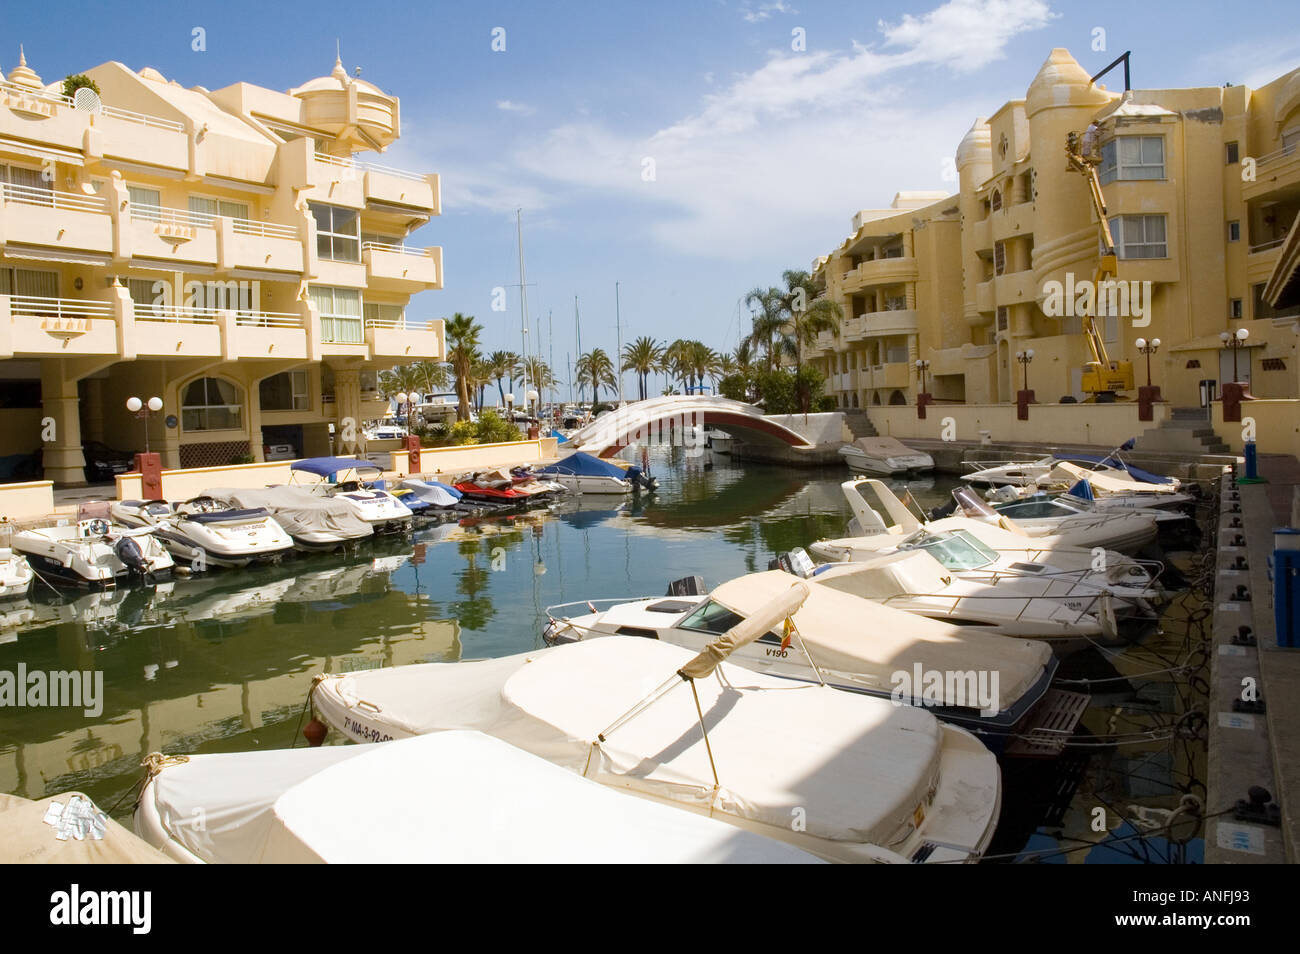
x=462, y=336
x=596, y=369
x=405, y=378
x=503, y=364
x=702, y=362
x=539, y=374
x=480, y=376
x=767, y=311
x=642, y=357
x=674, y=361
x=807, y=316
x=433, y=375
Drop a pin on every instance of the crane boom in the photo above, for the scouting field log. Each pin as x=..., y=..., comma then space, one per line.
x=1102, y=376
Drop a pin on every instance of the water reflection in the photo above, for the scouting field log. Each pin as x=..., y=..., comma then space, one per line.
x=223, y=662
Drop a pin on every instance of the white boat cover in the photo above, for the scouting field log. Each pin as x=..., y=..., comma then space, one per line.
x=299, y=510
x=27, y=838
x=451, y=797
x=883, y=447
x=1105, y=482
x=858, y=766
x=848, y=634
x=433, y=493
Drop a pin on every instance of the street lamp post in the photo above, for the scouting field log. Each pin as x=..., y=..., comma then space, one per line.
x=922, y=396
x=144, y=411
x=1149, y=395
x=1148, y=348
x=1235, y=341
x=922, y=367
x=1024, y=397
x=1024, y=357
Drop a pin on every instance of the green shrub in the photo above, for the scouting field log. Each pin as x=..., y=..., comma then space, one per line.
x=73, y=83
x=825, y=403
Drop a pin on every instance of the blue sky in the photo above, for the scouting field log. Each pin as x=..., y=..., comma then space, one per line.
x=762, y=153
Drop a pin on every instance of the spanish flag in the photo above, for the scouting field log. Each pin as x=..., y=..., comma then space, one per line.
x=786, y=632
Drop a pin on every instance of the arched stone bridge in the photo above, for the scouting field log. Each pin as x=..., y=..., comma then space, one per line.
x=666, y=420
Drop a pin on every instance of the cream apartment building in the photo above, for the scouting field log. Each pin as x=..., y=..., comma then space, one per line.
x=224, y=250
x=1201, y=187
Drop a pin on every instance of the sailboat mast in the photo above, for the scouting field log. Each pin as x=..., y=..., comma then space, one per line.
x=577, y=324
x=523, y=302
x=618, y=355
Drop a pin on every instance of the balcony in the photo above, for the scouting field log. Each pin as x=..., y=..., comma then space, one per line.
x=845, y=381
x=982, y=235
x=177, y=330
x=356, y=183
x=170, y=236
x=1262, y=259
x=1012, y=220
x=258, y=246
x=877, y=324
x=406, y=339
x=880, y=271
x=854, y=328
x=1013, y=288
x=64, y=327
x=824, y=344
x=984, y=297
x=1276, y=173
x=402, y=269
x=57, y=220
x=892, y=375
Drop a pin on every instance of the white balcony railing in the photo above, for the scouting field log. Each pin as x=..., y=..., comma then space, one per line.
x=1274, y=156
x=399, y=324
x=267, y=319
x=264, y=229
x=59, y=307
x=347, y=162
x=1266, y=246
x=395, y=249
x=115, y=112
x=48, y=198
x=172, y=218
x=187, y=314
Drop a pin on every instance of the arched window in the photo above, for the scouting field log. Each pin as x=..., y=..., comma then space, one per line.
x=897, y=398
x=211, y=404
x=996, y=201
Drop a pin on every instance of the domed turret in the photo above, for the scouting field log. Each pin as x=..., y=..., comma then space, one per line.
x=976, y=145
x=358, y=113
x=1061, y=81
x=22, y=75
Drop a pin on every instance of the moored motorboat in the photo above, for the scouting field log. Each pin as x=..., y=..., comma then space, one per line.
x=15, y=574
x=874, y=781
x=313, y=522
x=205, y=532
x=586, y=474
x=389, y=803
x=351, y=481
x=95, y=552
x=850, y=643
x=885, y=456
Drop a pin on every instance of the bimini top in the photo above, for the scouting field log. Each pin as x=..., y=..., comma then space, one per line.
x=315, y=805
x=1114, y=460
x=328, y=466
x=585, y=465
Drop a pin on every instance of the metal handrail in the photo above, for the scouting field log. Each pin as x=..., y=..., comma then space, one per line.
x=146, y=311
x=49, y=198
x=113, y=111
x=169, y=216
x=268, y=319
x=264, y=229
x=397, y=249
x=1276, y=154
x=347, y=162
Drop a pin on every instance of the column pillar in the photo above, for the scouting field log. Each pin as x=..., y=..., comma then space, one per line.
x=62, y=458
x=347, y=405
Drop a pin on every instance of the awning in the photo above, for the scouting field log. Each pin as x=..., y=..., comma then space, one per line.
x=1283, y=287
x=66, y=256
x=188, y=268
x=70, y=157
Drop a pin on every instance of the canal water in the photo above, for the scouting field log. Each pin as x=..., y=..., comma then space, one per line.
x=223, y=662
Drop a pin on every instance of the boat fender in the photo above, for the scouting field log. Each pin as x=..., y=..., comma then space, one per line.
x=314, y=732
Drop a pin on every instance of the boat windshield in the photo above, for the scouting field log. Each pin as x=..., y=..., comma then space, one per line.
x=957, y=551
x=710, y=617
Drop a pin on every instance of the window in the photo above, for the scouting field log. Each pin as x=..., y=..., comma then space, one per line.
x=340, y=314
x=1132, y=157
x=29, y=184
x=999, y=258
x=205, y=206
x=28, y=282
x=711, y=617
x=148, y=292
x=1193, y=363
x=385, y=314
x=211, y=404
x=1234, y=231
x=1273, y=364
x=338, y=232
x=1234, y=308
x=1139, y=236
x=367, y=237
x=286, y=391
x=142, y=196
x=995, y=203
x=1002, y=318
x=1231, y=154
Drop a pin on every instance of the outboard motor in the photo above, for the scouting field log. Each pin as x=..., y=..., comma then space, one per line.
x=796, y=561
x=687, y=586
x=938, y=513
x=129, y=552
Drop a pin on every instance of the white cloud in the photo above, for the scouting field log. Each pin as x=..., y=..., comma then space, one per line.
x=787, y=153
x=512, y=107
x=764, y=11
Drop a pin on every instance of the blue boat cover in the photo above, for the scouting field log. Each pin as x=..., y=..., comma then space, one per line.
x=584, y=465
x=1082, y=490
x=328, y=466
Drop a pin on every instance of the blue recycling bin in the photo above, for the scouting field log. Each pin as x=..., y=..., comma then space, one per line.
x=1286, y=586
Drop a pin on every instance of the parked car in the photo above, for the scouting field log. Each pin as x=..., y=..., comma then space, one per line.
x=279, y=452
x=103, y=463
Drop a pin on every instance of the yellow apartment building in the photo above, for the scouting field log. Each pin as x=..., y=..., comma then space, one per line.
x=1201, y=188
x=226, y=251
